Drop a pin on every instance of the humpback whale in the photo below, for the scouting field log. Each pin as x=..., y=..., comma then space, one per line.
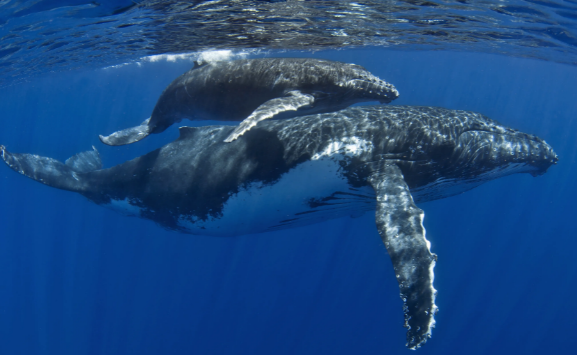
x=252, y=90
x=308, y=169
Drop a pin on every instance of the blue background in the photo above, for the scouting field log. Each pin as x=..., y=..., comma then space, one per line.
x=76, y=278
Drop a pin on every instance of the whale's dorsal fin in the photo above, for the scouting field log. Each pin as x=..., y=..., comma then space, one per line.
x=400, y=224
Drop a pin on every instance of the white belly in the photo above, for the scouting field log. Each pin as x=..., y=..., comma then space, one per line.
x=295, y=200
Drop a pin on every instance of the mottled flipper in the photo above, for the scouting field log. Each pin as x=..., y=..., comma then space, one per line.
x=292, y=102
x=400, y=224
x=127, y=136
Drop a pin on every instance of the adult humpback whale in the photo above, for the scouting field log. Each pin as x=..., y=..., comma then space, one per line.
x=257, y=89
x=308, y=169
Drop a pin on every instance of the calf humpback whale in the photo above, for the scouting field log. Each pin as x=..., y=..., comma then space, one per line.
x=309, y=169
x=252, y=90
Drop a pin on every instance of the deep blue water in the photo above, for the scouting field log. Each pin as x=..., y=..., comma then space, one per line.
x=76, y=278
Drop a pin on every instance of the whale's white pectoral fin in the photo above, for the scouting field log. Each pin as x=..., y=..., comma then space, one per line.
x=400, y=224
x=128, y=135
x=292, y=102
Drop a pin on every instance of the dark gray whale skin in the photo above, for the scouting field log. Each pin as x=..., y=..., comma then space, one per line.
x=258, y=89
x=308, y=169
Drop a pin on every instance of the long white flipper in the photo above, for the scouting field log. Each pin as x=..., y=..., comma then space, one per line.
x=400, y=224
x=292, y=102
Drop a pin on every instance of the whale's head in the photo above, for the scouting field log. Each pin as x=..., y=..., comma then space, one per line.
x=491, y=150
x=361, y=85
x=335, y=85
x=455, y=151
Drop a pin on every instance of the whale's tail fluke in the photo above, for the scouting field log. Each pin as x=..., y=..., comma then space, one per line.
x=127, y=136
x=51, y=172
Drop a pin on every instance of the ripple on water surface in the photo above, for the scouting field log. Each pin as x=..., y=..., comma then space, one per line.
x=40, y=36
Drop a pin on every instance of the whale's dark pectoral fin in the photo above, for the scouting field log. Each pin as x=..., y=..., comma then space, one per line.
x=292, y=102
x=400, y=224
x=51, y=172
x=127, y=136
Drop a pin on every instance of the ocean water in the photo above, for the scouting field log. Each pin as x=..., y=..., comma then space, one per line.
x=76, y=278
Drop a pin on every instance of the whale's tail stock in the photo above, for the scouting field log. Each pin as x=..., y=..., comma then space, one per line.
x=51, y=172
